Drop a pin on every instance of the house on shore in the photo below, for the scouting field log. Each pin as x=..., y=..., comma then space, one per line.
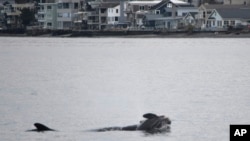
x=222, y=19
x=168, y=15
x=137, y=9
x=116, y=17
x=10, y=14
x=58, y=14
x=205, y=21
x=190, y=19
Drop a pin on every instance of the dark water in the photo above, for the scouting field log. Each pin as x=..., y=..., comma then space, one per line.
x=76, y=85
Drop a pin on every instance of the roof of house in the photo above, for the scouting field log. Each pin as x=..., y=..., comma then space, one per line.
x=159, y=5
x=242, y=13
x=151, y=17
x=216, y=6
x=144, y=2
x=109, y=4
x=193, y=14
x=176, y=2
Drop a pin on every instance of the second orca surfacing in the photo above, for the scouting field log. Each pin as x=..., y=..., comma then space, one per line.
x=40, y=128
x=152, y=124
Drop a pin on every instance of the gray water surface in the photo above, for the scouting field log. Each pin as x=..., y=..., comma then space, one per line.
x=75, y=85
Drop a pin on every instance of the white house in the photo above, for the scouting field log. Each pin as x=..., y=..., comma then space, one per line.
x=189, y=19
x=221, y=19
x=205, y=11
x=114, y=14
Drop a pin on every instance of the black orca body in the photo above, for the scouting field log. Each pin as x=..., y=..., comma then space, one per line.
x=152, y=124
x=41, y=128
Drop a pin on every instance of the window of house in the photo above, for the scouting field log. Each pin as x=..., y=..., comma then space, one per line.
x=76, y=5
x=141, y=7
x=66, y=24
x=168, y=14
x=116, y=11
x=59, y=5
x=42, y=8
x=116, y=19
x=65, y=5
x=49, y=24
x=103, y=10
x=213, y=23
x=59, y=15
x=226, y=23
x=157, y=12
x=232, y=23
x=219, y=23
x=66, y=15
x=49, y=7
x=184, y=14
x=209, y=23
x=169, y=5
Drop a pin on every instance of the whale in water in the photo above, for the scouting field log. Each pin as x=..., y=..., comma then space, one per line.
x=41, y=128
x=152, y=124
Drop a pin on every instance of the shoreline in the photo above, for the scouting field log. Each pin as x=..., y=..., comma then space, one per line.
x=127, y=34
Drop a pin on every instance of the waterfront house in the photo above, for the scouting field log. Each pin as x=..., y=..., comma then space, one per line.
x=172, y=13
x=177, y=8
x=98, y=12
x=80, y=20
x=137, y=9
x=190, y=19
x=11, y=12
x=105, y=14
x=115, y=16
x=205, y=11
x=221, y=19
x=58, y=14
x=47, y=14
x=65, y=13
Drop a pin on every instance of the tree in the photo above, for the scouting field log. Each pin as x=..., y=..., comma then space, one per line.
x=27, y=16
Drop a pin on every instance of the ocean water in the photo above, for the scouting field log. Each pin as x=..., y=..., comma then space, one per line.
x=75, y=85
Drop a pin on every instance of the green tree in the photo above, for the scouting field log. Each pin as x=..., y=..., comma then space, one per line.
x=27, y=17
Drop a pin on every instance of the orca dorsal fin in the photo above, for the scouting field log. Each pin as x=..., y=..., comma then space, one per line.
x=150, y=116
x=41, y=127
